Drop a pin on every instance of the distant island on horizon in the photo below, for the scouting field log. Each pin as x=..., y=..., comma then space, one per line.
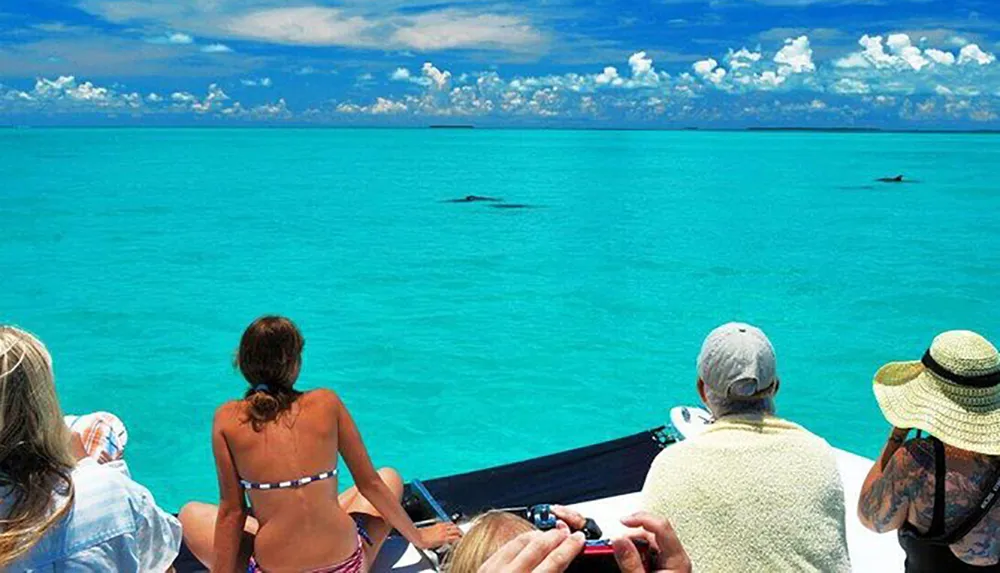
x=821, y=129
x=869, y=130
x=744, y=129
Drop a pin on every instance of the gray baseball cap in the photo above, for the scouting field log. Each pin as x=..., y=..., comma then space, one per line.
x=737, y=361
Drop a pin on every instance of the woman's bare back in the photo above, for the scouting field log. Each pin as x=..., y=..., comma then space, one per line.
x=969, y=477
x=301, y=442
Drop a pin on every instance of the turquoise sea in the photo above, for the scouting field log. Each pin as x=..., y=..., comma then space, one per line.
x=462, y=335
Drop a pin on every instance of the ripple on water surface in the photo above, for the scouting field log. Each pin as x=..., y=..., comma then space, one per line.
x=460, y=338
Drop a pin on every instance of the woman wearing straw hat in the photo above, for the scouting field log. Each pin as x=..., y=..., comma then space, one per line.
x=940, y=491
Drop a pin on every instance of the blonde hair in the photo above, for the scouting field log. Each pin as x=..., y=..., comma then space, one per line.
x=35, y=456
x=488, y=534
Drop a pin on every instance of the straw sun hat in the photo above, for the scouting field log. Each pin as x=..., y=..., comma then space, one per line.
x=953, y=393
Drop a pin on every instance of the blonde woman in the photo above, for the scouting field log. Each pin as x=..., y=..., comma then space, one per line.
x=60, y=509
x=488, y=534
x=501, y=542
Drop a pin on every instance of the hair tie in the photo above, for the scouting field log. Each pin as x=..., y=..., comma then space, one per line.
x=261, y=388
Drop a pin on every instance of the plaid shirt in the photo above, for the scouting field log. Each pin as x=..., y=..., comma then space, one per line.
x=103, y=435
x=114, y=525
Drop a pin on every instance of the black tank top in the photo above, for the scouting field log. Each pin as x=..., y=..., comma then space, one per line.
x=930, y=552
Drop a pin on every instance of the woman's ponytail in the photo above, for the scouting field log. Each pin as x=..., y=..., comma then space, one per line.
x=269, y=357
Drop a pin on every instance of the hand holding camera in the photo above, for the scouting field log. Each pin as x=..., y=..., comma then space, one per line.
x=652, y=546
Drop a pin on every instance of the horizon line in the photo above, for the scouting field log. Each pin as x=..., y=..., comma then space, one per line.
x=472, y=127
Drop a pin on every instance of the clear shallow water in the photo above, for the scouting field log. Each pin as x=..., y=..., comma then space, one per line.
x=460, y=335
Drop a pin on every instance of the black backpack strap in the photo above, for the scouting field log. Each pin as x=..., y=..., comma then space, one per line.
x=981, y=510
x=940, y=476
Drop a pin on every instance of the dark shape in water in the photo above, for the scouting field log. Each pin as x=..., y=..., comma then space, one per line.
x=513, y=206
x=896, y=179
x=474, y=199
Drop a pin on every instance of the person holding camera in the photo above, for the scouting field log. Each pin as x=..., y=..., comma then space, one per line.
x=555, y=550
x=940, y=491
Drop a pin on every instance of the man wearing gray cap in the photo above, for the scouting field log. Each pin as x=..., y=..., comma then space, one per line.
x=753, y=492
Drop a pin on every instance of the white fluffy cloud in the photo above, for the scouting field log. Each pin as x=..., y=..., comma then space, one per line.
x=451, y=29
x=216, y=49
x=382, y=106
x=795, y=57
x=940, y=57
x=873, y=55
x=179, y=38
x=307, y=25
x=264, y=82
x=641, y=64
x=743, y=58
x=265, y=112
x=897, y=64
x=66, y=88
x=884, y=72
x=850, y=86
x=65, y=94
x=709, y=70
x=644, y=75
x=183, y=98
x=705, y=67
x=904, y=49
x=439, y=79
x=974, y=54
x=430, y=77
x=276, y=110
x=746, y=71
x=892, y=64
x=348, y=108
x=609, y=77
x=768, y=79
x=898, y=51
x=428, y=31
x=174, y=38
x=213, y=100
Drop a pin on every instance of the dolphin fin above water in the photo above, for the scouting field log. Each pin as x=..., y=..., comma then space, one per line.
x=474, y=199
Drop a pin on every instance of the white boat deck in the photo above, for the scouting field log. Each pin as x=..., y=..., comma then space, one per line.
x=870, y=552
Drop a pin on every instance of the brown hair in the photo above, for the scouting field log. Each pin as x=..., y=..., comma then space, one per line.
x=35, y=458
x=488, y=534
x=269, y=357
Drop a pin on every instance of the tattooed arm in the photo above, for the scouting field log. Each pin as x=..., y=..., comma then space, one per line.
x=885, y=495
x=900, y=488
x=981, y=547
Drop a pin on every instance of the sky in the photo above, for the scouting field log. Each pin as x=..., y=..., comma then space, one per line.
x=897, y=64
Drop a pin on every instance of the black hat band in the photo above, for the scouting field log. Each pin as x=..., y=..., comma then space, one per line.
x=981, y=381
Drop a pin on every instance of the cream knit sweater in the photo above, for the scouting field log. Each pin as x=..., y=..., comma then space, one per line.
x=752, y=494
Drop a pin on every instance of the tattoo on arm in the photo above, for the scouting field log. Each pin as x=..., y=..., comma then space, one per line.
x=885, y=500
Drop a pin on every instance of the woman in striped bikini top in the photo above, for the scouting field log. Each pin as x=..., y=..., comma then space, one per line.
x=276, y=450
